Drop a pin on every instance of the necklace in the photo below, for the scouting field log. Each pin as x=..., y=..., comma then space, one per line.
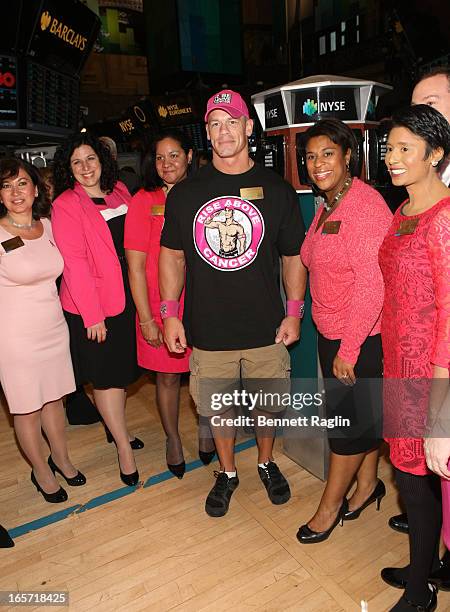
x=338, y=196
x=26, y=226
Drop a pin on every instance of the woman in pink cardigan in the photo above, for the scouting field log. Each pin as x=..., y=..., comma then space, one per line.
x=88, y=224
x=341, y=253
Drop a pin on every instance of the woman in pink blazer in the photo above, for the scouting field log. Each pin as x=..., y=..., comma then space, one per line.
x=88, y=224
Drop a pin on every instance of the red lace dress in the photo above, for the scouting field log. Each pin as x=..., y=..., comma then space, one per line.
x=415, y=326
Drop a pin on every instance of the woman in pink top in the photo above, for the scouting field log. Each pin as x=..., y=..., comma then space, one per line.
x=88, y=223
x=169, y=161
x=341, y=252
x=415, y=329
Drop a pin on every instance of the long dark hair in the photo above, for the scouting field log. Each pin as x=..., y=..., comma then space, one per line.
x=9, y=168
x=150, y=178
x=339, y=133
x=427, y=123
x=62, y=171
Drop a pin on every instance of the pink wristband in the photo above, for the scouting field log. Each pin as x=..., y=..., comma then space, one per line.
x=295, y=308
x=169, y=308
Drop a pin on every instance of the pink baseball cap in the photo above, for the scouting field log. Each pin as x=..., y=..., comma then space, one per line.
x=229, y=101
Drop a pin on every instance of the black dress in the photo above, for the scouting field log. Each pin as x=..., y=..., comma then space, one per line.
x=112, y=363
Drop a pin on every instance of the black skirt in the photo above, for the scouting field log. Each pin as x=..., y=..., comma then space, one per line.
x=112, y=363
x=361, y=404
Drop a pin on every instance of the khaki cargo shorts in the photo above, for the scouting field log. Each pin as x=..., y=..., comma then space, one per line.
x=263, y=370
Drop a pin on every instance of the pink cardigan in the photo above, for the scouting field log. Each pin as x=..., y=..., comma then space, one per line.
x=92, y=284
x=345, y=278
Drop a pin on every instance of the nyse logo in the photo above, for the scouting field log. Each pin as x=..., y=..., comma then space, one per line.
x=162, y=111
x=311, y=107
x=272, y=113
x=126, y=126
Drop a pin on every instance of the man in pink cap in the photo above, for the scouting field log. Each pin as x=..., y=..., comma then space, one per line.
x=233, y=316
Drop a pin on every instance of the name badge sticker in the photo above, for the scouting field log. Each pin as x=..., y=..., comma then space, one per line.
x=12, y=244
x=331, y=227
x=407, y=227
x=252, y=193
x=158, y=209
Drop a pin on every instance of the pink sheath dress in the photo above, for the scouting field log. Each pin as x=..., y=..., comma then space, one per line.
x=35, y=364
x=143, y=227
x=415, y=327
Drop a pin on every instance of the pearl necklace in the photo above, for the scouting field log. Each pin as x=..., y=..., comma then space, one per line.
x=26, y=226
x=338, y=196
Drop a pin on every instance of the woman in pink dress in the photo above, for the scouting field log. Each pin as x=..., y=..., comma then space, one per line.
x=35, y=365
x=415, y=329
x=168, y=162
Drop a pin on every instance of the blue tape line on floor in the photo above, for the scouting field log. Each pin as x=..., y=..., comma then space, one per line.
x=101, y=500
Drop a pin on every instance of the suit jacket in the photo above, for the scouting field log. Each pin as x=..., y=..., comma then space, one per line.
x=92, y=284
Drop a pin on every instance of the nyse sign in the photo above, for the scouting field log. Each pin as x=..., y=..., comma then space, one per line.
x=274, y=111
x=318, y=103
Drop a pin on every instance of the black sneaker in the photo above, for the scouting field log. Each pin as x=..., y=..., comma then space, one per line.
x=219, y=497
x=276, y=484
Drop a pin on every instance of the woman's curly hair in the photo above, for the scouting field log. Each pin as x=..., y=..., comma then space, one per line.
x=62, y=170
x=9, y=169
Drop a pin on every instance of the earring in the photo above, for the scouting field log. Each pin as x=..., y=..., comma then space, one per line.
x=434, y=163
x=347, y=165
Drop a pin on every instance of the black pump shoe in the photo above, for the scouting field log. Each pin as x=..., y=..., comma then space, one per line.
x=5, y=539
x=136, y=443
x=130, y=480
x=305, y=535
x=76, y=481
x=404, y=605
x=52, y=498
x=377, y=495
x=206, y=456
x=177, y=469
x=440, y=578
x=399, y=522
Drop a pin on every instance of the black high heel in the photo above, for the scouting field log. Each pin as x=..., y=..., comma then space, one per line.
x=404, y=605
x=306, y=535
x=136, y=443
x=76, y=481
x=5, y=539
x=377, y=495
x=130, y=480
x=177, y=469
x=206, y=456
x=52, y=498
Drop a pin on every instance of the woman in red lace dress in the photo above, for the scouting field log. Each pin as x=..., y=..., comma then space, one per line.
x=415, y=331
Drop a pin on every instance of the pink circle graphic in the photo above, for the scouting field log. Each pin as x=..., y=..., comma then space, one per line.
x=228, y=232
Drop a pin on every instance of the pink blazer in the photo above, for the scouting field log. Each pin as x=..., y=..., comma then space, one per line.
x=92, y=284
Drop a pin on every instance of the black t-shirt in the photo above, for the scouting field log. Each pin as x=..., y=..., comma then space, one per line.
x=233, y=228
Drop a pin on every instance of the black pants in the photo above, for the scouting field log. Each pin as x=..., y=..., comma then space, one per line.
x=361, y=404
x=421, y=496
